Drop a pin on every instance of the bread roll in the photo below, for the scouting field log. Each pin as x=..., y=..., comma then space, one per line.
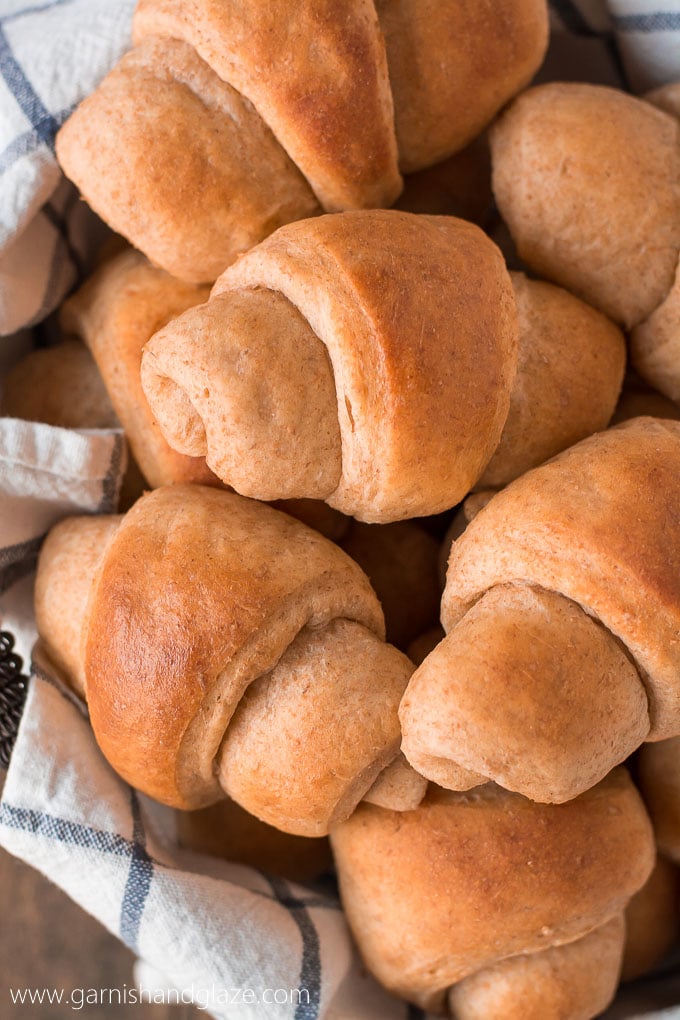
x=569, y=373
x=365, y=359
x=371, y=307
x=588, y=180
x=562, y=614
x=221, y=647
x=264, y=112
x=477, y=887
x=115, y=312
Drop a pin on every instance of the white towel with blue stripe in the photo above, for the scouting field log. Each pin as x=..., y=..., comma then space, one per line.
x=207, y=930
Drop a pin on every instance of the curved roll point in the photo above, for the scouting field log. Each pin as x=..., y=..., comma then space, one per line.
x=487, y=892
x=369, y=360
x=526, y=690
x=572, y=982
x=222, y=646
x=562, y=613
x=412, y=312
x=266, y=111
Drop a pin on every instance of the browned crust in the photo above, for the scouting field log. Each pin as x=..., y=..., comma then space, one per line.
x=196, y=583
x=588, y=180
x=179, y=163
x=414, y=311
x=454, y=65
x=569, y=374
x=465, y=880
x=115, y=312
x=328, y=102
x=600, y=524
x=528, y=691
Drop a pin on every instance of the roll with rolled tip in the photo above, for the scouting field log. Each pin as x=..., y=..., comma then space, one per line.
x=588, y=180
x=227, y=120
x=115, y=312
x=490, y=906
x=365, y=359
x=369, y=359
x=562, y=613
x=223, y=647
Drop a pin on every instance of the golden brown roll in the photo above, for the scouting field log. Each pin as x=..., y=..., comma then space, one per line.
x=264, y=112
x=225, y=830
x=569, y=373
x=365, y=359
x=483, y=898
x=652, y=920
x=588, y=180
x=115, y=312
x=562, y=610
x=223, y=646
x=310, y=371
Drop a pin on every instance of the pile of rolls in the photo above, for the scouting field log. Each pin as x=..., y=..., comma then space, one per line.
x=397, y=562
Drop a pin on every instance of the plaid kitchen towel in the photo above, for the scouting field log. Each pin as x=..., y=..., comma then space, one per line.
x=52, y=54
x=205, y=928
